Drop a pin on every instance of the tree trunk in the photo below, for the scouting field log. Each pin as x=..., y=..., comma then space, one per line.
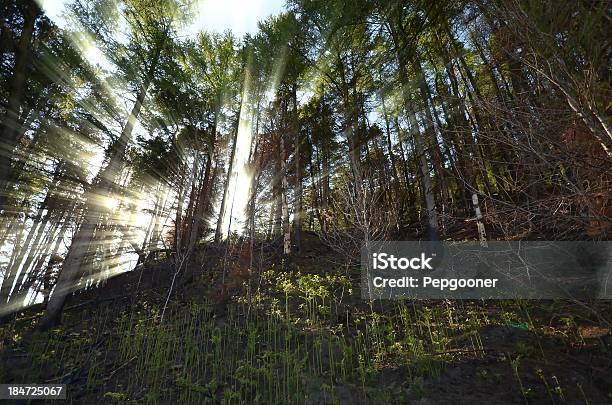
x=271, y=224
x=11, y=124
x=156, y=233
x=205, y=189
x=219, y=229
x=178, y=221
x=196, y=179
x=284, y=203
x=297, y=212
x=430, y=129
x=154, y=215
x=201, y=204
x=325, y=183
x=278, y=199
x=426, y=183
x=390, y=151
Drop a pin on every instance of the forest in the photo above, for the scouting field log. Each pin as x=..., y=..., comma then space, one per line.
x=183, y=210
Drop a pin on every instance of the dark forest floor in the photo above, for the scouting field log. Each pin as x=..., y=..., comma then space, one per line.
x=301, y=334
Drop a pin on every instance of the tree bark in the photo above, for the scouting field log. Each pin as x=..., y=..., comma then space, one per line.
x=426, y=183
x=297, y=212
x=284, y=203
x=11, y=124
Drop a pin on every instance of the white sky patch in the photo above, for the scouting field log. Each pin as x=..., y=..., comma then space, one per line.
x=239, y=16
x=90, y=51
x=54, y=10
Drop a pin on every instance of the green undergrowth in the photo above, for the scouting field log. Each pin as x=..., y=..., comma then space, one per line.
x=289, y=337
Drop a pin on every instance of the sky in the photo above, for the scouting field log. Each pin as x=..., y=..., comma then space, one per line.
x=239, y=16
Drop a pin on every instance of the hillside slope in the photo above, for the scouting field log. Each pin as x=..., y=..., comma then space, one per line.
x=302, y=335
